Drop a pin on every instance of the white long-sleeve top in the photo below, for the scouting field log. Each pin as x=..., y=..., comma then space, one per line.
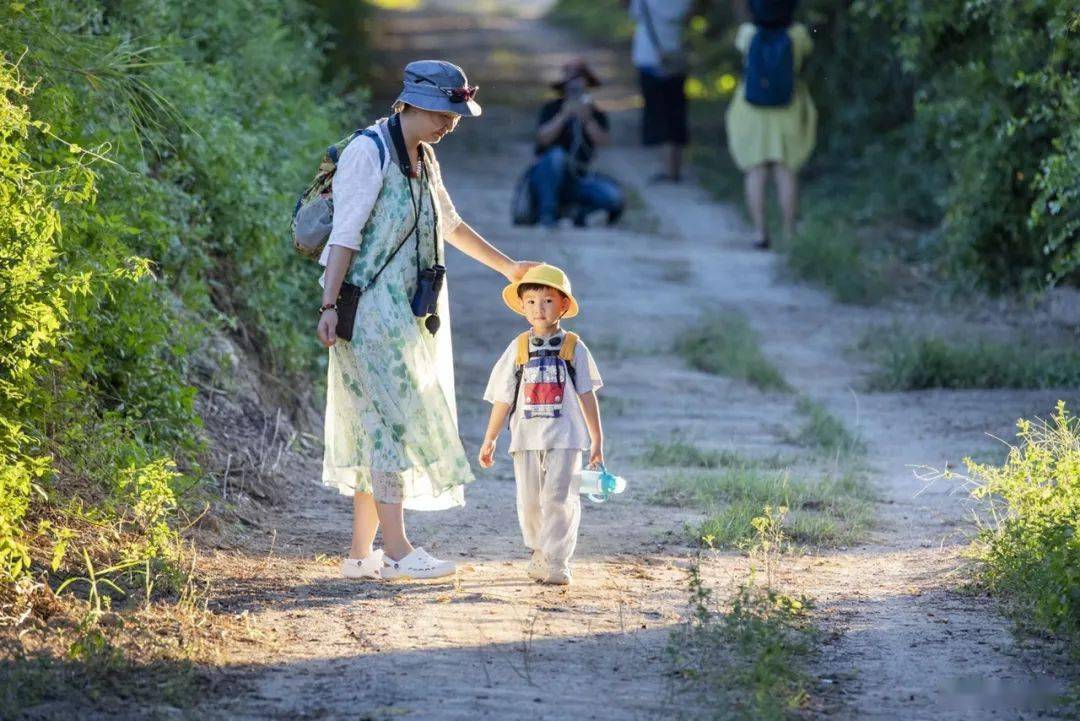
x=356, y=186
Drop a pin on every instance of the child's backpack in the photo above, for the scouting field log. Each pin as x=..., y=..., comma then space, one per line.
x=770, y=68
x=313, y=216
x=541, y=372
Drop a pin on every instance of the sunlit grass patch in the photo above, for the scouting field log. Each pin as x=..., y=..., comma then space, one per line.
x=831, y=510
x=908, y=361
x=726, y=345
x=677, y=453
x=749, y=656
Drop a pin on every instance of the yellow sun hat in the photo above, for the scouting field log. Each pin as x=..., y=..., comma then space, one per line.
x=542, y=274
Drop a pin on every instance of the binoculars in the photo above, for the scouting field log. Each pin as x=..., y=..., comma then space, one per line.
x=425, y=303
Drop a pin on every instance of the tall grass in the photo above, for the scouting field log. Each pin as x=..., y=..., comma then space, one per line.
x=831, y=510
x=912, y=362
x=726, y=345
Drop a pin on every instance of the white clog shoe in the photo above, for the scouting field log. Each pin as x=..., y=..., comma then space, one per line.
x=418, y=564
x=370, y=567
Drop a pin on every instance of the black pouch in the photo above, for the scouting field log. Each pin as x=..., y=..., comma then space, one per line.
x=347, y=300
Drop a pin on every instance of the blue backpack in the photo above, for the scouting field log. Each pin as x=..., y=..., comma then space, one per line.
x=770, y=68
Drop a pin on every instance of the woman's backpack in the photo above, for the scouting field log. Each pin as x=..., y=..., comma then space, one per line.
x=770, y=68
x=313, y=216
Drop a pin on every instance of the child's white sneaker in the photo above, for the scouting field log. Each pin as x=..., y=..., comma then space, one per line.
x=370, y=567
x=537, y=568
x=418, y=564
x=559, y=576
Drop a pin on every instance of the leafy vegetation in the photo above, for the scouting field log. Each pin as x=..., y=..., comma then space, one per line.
x=726, y=345
x=150, y=152
x=603, y=21
x=1029, y=547
x=949, y=136
x=913, y=362
x=747, y=658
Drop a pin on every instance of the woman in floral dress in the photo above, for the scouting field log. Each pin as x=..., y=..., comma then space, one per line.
x=391, y=437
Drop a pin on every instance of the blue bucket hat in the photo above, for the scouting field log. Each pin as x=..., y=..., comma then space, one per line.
x=439, y=86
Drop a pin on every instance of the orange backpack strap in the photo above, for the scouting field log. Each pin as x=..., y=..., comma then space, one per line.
x=569, y=345
x=522, y=356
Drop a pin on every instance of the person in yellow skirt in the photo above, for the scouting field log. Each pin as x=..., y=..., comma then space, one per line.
x=772, y=121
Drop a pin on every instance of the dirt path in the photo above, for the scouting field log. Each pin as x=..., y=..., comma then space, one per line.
x=493, y=644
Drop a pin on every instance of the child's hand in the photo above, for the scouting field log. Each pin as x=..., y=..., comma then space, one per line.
x=487, y=454
x=596, y=456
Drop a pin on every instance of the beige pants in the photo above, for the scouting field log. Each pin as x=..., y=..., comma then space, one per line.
x=548, y=506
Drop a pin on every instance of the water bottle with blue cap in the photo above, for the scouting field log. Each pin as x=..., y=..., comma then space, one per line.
x=600, y=485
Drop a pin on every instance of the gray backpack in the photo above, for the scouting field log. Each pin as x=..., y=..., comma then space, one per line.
x=313, y=216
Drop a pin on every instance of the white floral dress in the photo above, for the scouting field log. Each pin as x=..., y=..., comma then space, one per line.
x=391, y=417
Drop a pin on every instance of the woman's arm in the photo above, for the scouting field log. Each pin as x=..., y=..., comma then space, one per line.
x=336, y=267
x=469, y=242
x=356, y=185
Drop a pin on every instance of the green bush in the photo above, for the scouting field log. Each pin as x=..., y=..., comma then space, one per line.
x=959, y=113
x=151, y=152
x=1030, y=549
x=998, y=93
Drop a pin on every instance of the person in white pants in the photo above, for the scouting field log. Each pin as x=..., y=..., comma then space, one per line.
x=545, y=382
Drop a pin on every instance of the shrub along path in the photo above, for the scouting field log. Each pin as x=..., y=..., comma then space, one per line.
x=904, y=644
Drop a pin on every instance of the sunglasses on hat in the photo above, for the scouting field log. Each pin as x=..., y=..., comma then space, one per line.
x=462, y=94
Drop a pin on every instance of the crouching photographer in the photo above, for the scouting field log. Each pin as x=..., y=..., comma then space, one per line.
x=559, y=183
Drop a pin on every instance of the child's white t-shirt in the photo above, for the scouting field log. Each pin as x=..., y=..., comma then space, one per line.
x=568, y=431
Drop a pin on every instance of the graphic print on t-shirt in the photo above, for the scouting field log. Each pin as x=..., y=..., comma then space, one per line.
x=543, y=377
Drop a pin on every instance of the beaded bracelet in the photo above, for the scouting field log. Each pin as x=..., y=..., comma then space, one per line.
x=327, y=306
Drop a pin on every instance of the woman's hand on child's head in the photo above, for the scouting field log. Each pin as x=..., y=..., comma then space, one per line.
x=519, y=268
x=487, y=454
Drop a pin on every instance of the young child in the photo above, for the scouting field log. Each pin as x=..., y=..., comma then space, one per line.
x=546, y=383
